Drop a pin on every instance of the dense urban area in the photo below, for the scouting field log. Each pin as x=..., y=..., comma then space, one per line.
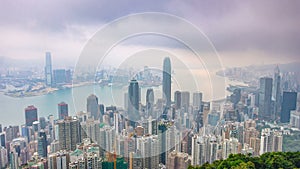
x=256, y=126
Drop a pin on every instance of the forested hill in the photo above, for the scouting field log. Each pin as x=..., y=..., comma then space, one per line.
x=274, y=160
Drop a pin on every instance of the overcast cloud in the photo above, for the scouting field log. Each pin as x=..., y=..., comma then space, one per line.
x=266, y=30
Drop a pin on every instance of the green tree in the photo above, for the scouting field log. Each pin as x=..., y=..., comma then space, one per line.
x=274, y=160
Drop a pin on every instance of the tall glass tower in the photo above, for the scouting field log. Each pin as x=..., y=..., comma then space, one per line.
x=149, y=101
x=276, y=95
x=167, y=81
x=92, y=106
x=42, y=144
x=289, y=103
x=133, y=102
x=48, y=69
x=265, y=95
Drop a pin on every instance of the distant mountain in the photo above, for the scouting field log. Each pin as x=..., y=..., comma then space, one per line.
x=288, y=67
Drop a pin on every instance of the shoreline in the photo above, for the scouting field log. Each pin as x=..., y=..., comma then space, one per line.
x=75, y=85
x=44, y=91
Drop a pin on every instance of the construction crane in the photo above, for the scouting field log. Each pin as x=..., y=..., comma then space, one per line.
x=115, y=154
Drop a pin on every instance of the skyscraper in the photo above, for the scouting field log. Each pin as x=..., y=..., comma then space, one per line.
x=167, y=81
x=276, y=95
x=133, y=102
x=91, y=129
x=25, y=132
x=68, y=76
x=235, y=97
x=62, y=110
x=185, y=100
x=42, y=144
x=149, y=101
x=265, y=95
x=126, y=101
x=42, y=121
x=2, y=139
x=48, y=69
x=289, y=102
x=148, y=150
x=177, y=99
x=30, y=115
x=93, y=107
x=11, y=133
x=162, y=128
x=3, y=157
x=197, y=100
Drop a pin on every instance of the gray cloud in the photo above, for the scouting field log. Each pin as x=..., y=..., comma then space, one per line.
x=270, y=28
x=57, y=14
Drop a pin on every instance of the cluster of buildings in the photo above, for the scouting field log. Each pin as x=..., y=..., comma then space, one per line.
x=162, y=133
x=56, y=77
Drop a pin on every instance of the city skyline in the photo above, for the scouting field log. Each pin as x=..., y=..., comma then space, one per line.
x=160, y=85
x=182, y=132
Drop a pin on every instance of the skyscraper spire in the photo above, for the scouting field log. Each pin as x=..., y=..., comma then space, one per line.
x=276, y=93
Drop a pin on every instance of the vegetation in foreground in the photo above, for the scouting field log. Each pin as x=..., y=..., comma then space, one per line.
x=274, y=160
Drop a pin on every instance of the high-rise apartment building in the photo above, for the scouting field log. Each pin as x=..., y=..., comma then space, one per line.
x=69, y=133
x=148, y=146
x=3, y=157
x=270, y=141
x=59, y=160
x=11, y=133
x=178, y=160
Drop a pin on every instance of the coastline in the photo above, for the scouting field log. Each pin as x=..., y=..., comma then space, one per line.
x=44, y=91
x=50, y=90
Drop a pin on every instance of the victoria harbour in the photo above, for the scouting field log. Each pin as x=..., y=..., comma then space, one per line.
x=76, y=99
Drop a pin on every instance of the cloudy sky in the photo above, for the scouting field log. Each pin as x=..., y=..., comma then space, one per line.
x=243, y=32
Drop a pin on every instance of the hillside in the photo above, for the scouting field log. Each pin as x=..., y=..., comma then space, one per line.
x=274, y=160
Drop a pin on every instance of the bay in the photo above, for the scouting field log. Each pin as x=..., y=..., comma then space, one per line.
x=12, y=109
